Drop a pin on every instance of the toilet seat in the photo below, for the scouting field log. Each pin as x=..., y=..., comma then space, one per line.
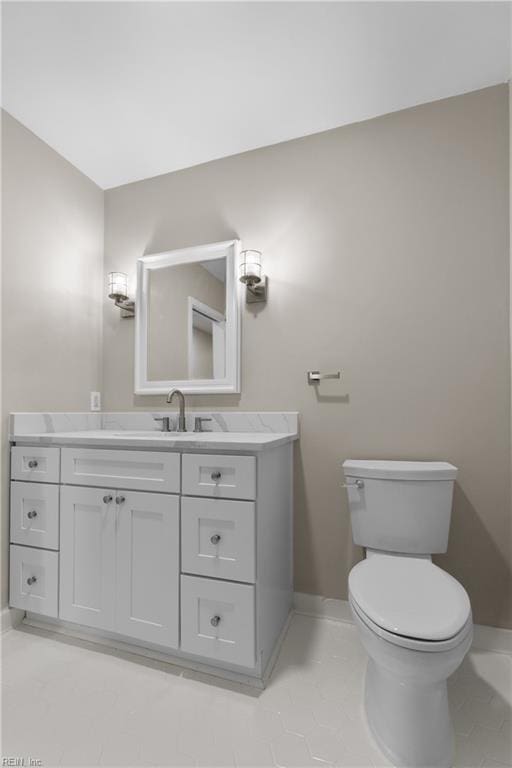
x=409, y=598
x=410, y=643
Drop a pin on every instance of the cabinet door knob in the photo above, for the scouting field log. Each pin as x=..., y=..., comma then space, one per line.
x=215, y=621
x=32, y=464
x=31, y=580
x=107, y=499
x=31, y=514
x=216, y=475
x=120, y=499
x=215, y=538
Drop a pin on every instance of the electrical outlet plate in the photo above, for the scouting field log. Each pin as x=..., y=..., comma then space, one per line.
x=95, y=401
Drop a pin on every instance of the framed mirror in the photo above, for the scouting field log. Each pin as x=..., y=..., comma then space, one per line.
x=187, y=332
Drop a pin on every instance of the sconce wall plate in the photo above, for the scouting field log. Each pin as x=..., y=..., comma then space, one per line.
x=127, y=307
x=254, y=294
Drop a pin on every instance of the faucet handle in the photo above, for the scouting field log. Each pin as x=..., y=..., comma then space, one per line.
x=166, y=422
x=198, y=423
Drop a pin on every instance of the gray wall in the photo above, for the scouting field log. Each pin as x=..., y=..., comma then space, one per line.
x=52, y=285
x=386, y=243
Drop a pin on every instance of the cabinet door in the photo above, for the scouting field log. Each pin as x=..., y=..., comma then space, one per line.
x=87, y=556
x=147, y=598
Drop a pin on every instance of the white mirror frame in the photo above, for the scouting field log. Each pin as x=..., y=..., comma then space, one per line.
x=230, y=249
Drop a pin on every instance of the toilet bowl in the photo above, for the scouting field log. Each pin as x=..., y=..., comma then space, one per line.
x=413, y=618
x=414, y=645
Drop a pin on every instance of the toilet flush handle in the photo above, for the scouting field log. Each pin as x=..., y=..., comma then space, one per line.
x=358, y=484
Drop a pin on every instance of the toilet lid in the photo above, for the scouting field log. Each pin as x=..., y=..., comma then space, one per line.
x=410, y=596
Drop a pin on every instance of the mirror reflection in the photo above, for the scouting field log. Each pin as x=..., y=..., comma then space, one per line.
x=187, y=321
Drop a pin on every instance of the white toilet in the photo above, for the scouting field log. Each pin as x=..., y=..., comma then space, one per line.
x=414, y=618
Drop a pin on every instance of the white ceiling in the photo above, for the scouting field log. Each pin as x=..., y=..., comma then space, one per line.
x=128, y=90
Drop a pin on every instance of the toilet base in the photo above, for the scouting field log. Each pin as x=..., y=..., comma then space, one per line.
x=411, y=722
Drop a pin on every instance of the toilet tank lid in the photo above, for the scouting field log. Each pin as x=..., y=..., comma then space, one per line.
x=400, y=470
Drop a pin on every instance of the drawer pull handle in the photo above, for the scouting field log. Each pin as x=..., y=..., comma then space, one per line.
x=215, y=538
x=32, y=464
x=215, y=621
x=31, y=580
x=120, y=499
x=31, y=514
x=216, y=475
x=107, y=499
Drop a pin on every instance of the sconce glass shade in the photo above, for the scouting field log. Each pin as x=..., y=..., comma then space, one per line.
x=250, y=267
x=117, y=285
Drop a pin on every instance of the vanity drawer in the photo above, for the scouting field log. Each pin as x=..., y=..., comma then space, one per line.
x=223, y=477
x=35, y=463
x=218, y=538
x=34, y=579
x=217, y=620
x=139, y=470
x=35, y=514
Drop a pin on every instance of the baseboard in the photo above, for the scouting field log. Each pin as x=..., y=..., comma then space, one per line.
x=322, y=607
x=484, y=638
x=10, y=618
x=492, y=639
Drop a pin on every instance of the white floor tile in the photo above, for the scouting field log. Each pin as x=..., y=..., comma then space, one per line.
x=291, y=751
x=71, y=704
x=325, y=744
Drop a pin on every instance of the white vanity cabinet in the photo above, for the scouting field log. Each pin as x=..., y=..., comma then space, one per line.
x=180, y=552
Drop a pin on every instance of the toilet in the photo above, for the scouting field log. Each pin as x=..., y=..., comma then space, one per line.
x=414, y=619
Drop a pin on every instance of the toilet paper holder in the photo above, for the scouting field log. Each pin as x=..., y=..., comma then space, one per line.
x=314, y=377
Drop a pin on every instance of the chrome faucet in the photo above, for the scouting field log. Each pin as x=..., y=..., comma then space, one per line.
x=182, y=426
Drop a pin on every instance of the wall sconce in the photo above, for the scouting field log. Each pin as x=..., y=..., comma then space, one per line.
x=118, y=291
x=251, y=275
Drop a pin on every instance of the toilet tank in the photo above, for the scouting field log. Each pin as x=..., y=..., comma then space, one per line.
x=400, y=506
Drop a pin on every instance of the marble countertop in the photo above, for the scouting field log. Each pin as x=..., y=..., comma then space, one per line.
x=240, y=441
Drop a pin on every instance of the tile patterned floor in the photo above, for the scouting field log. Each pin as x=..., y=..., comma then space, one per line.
x=68, y=704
